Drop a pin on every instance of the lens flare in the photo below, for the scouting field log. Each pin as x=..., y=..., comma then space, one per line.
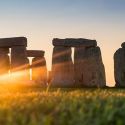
x=14, y=77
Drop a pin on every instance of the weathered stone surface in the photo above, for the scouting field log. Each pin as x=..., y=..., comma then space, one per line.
x=88, y=67
x=35, y=53
x=39, y=70
x=4, y=64
x=119, y=67
x=62, y=68
x=70, y=42
x=15, y=41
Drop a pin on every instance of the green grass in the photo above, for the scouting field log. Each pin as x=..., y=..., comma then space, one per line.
x=32, y=105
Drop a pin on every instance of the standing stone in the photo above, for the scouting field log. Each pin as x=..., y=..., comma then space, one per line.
x=18, y=57
x=88, y=66
x=119, y=66
x=19, y=60
x=4, y=61
x=62, y=67
x=39, y=70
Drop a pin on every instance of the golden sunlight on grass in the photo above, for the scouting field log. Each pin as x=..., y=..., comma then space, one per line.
x=38, y=106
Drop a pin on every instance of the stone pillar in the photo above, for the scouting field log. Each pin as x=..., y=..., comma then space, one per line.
x=39, y=70
x=19, y=61
x=119, y=66
x=89, y=68
x=4, y=61
x=62, y=67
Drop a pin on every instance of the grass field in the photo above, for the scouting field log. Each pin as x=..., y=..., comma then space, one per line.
x=33, y=105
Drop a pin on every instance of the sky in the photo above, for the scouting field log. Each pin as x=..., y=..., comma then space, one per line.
x=42, y=20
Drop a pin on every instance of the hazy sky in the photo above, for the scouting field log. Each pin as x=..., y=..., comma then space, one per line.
x=42, y=20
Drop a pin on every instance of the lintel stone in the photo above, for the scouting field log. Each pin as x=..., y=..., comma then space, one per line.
x=35, y=53
x=14, y=41
x=71, y=42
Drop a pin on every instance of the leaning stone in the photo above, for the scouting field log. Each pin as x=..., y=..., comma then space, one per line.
x=119, y=67
x=62, y=68
x=88, y=67
x=35, y=53
x=15, y=41
x=70, y=42
x=39, y=70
